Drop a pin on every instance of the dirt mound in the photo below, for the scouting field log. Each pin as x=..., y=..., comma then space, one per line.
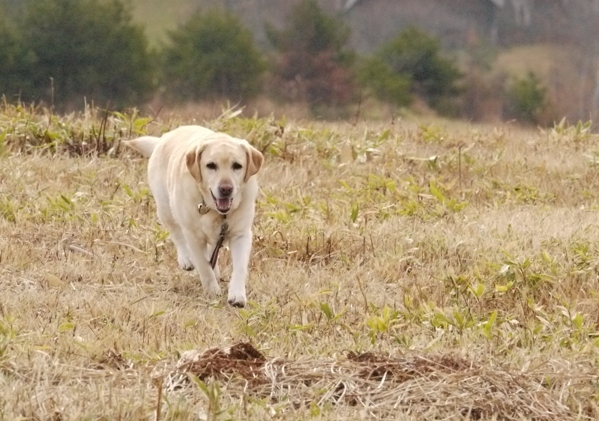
x=421, y=385
x=241, y=360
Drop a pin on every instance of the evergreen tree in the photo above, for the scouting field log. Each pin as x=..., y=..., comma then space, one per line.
x=411, y=64
x=417, y=55
x=84, y=48
x=14, y=60
x=314, y=62
x=212, y=56
x=526, y=99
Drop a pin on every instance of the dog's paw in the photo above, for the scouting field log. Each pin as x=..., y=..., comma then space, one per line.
x=237, y=299
x=185, y=263
x=213, y=290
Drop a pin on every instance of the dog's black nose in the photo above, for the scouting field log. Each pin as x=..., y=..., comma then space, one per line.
x=225, y=190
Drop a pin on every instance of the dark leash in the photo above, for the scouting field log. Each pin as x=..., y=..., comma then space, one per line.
x=203, y=210
x=221, y=238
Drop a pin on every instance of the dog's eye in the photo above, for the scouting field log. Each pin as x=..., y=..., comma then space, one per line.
x=237, y=166
x=211, y=166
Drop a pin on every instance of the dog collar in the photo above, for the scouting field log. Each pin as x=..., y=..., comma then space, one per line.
x=203, y=208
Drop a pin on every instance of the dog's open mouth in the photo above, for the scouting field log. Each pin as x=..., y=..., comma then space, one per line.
x=222, y=205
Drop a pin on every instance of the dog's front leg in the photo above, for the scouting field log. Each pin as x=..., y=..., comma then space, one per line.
x=241, y=248
x=197, y=250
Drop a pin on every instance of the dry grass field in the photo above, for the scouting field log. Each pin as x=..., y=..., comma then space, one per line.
x=401, y=270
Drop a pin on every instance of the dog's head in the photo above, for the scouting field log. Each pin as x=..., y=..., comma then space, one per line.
x=221, y=166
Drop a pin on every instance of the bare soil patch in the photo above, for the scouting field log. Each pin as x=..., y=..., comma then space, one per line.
x=383, y=384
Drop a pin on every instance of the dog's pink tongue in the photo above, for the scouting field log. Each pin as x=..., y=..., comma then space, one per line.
x=223, y=204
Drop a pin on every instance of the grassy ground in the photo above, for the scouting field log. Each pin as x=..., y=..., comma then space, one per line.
x=430, y=270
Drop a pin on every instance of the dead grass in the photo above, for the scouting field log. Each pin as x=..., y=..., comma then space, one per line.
x=446, y=271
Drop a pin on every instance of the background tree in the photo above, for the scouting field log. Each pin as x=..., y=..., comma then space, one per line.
x=211, y=56
x=416, y=56
x=527, y=100
x=14, y=59
x=314, y=62
x=83, y=48
x=383, y=83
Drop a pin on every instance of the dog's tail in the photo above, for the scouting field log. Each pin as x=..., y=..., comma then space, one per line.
x=144, y=144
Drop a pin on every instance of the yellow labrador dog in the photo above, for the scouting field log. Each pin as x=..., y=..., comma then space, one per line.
x=205, y=189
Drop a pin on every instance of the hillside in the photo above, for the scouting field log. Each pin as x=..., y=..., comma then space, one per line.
x=557, y=40
x=458, y=23
x=494, y=41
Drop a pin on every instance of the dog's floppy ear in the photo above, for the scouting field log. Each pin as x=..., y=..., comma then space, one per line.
x=192, y=159
x=254, y=161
